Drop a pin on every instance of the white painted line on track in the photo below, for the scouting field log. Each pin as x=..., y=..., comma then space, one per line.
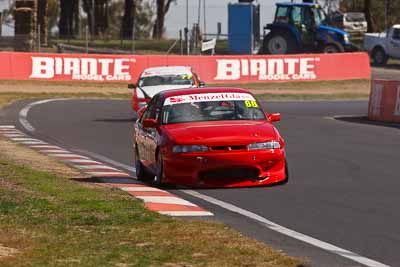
x=7, y=127
x=83, y=161
x=288, y=232
x=59, y=151
x=23, y=114
x=18, y=139
x=65, y=155
x=186, y=213
x=95, y=167
x=141, y=189
x=32, y=142
x=45, y=146
x=166, y=200
x=108, y=173
x=14, y=135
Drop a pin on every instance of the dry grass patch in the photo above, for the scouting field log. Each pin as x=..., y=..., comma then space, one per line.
x=24, y=156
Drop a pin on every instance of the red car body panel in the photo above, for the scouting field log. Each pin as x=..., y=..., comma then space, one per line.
x=227, y=163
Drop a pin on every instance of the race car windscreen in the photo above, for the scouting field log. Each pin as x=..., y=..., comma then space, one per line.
x=170, y=79
x=211, y=107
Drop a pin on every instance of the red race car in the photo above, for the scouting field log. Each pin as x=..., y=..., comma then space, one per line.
x=208, y=137
x=156, y=79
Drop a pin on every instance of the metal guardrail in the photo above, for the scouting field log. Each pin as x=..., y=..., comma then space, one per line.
x=65, y=48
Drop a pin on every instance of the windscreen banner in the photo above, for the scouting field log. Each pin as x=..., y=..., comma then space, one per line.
x=211, y=69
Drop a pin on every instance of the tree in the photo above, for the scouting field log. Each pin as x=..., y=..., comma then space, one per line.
x=42, y=20
x=127, y=20
x=162, y=9
x=136, y=12
x=66, y=22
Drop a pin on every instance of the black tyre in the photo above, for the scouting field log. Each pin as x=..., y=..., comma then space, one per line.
x=333, y=48
x=279, y=43
x=141, y=173
x=379, y=56
x=158, y=178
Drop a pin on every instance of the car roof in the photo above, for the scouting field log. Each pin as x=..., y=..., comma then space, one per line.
x=203, y=90
x=178, y=69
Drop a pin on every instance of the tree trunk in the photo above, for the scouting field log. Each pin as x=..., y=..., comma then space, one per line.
x=127, y=20
x=87, y=7
x=42, y=21
x=101, y=16
x=159, y=23
x=368, y=16
x=66, y=23
x=162, y=9
x=77, y=18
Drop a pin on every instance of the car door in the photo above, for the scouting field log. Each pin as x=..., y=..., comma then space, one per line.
x=394, y=43
x=143, y=134
x=153, y=137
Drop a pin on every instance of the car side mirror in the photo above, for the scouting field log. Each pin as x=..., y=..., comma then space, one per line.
x=202, y=84
x=274, y=117
x=150, y=123
x=131, y=86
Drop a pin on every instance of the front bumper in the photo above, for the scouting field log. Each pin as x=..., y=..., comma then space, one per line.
x=226, y=169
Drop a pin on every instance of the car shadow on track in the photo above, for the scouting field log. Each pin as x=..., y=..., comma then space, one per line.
x=365, y=120
x=132, y=119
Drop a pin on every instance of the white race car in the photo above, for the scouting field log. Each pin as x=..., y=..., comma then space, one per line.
x=156, y=79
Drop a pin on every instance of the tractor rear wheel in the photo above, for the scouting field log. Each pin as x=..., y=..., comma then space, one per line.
x=333, y=48
x=279, y=43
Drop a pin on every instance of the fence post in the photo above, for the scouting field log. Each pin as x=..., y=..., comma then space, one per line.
x=38, y=39
x=87, y=38
x=181, y=41
x=1, y=22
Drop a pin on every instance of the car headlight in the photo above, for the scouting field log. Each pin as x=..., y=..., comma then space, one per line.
x=188, y=148
x=346, y=39
x=265, y=145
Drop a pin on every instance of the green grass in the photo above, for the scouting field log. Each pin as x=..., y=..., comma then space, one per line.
x=54, y=221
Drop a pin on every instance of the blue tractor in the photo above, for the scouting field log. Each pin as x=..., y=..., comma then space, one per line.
x=299, y=28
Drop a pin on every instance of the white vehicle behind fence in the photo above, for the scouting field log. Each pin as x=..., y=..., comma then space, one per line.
x=382, y=46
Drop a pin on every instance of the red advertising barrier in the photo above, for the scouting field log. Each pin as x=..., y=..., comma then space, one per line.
x=211, y=69
x=384, y=101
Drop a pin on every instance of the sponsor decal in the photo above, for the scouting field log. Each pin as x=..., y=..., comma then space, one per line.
x=397, y=107
x=83, y=69
x=267, y=69
x=208, y=97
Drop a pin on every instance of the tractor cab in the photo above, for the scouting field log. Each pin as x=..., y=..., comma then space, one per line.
x=299, y=27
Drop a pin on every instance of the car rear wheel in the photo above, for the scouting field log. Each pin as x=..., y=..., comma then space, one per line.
x=140, y=171
x=158, y=178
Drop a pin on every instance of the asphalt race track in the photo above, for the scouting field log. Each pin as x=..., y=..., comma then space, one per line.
x=344, y=177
